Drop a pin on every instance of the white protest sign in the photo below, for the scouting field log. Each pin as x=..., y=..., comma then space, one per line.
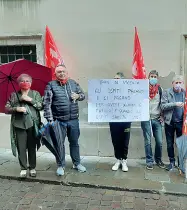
x=118, y=100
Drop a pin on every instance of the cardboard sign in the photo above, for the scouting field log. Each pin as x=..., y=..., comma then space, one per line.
x=118, y=100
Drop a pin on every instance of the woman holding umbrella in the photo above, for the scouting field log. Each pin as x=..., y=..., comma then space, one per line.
x=24, y=106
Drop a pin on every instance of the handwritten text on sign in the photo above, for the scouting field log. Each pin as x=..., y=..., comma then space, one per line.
x=118, y=100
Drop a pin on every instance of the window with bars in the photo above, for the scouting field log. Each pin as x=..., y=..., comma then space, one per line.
x=10, y=53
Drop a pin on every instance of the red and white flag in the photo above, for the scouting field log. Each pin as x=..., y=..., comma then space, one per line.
x=138, y=68
x=52, y=54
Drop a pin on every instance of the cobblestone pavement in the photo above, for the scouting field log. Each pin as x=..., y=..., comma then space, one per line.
x=36, y=196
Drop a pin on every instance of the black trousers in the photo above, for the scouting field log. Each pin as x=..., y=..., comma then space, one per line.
x=170, y=131
x=120, y=134
x=26, y=142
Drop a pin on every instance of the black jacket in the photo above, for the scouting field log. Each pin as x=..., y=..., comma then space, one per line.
x=58, y=103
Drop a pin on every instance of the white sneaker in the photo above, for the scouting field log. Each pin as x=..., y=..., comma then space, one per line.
x=23, y=173
x=116, y=166
x=124, y=165
x=33, y=173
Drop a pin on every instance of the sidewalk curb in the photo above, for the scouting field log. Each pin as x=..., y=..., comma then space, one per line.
x=74, y=184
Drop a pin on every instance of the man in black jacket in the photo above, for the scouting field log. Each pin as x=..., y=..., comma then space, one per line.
x=61, y=103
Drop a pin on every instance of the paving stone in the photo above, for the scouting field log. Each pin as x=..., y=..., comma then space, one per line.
x=12, y=206
x=117, y=198
x=105, y=208
x=95, y=196
x=116, y=205
x=95, y=202
x=19, y=194
x=58, y=205
x=14, y=199
x=4, y=198
x=106, y=203
x=128, y=199
x=162, y=203
x=82, y=200
x=37, y=201
x=26, y=201
x=71, y=206
x=93, y=208
x=155, y=196
x=64, y=193
x=36, y=207
x=128, y=206
x=23, y=207
x=151, y=207
x=3, y=204
x=139, y=204
x=175, y=204
x=41, y=196
x=175, y=188
x=82, y=207
x=30, y=195
x=150, y=202
x=107, y=198
x=76, y=194
x=157, y=177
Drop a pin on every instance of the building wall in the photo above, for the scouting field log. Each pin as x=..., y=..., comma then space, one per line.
x=95, y=38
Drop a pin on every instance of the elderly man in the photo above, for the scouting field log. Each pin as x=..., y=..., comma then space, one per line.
x=173, y=108
x=61, y=103
x=155, y=124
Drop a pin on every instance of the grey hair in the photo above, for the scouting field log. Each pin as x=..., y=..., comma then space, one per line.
x=121, y=75
x=153, y=72
x=178, y=77
x=63, y=65
x=24, y=76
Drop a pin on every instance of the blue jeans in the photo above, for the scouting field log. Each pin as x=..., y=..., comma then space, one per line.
x=170, y=131
x=73, y=133
x=157, y=133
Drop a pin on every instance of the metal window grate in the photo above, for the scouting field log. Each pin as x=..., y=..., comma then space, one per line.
x=10, y=53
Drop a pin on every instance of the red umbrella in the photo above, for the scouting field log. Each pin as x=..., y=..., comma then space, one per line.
x=9, y=73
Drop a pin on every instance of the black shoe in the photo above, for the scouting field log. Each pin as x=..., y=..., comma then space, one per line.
x=149, y=166
x=160, y=164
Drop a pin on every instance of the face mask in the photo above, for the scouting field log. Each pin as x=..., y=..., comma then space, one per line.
x=153, y=81
x=178, y=87
x=25, y=85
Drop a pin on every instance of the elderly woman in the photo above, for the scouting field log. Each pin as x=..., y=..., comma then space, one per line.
x=120, y=134
x=24, y=106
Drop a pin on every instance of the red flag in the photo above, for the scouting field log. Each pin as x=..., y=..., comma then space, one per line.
x=184, y=129
x=52, y=54
x=138, y=68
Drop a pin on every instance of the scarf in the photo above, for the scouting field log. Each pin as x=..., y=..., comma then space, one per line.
x=153, y=90
x=63, y=81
